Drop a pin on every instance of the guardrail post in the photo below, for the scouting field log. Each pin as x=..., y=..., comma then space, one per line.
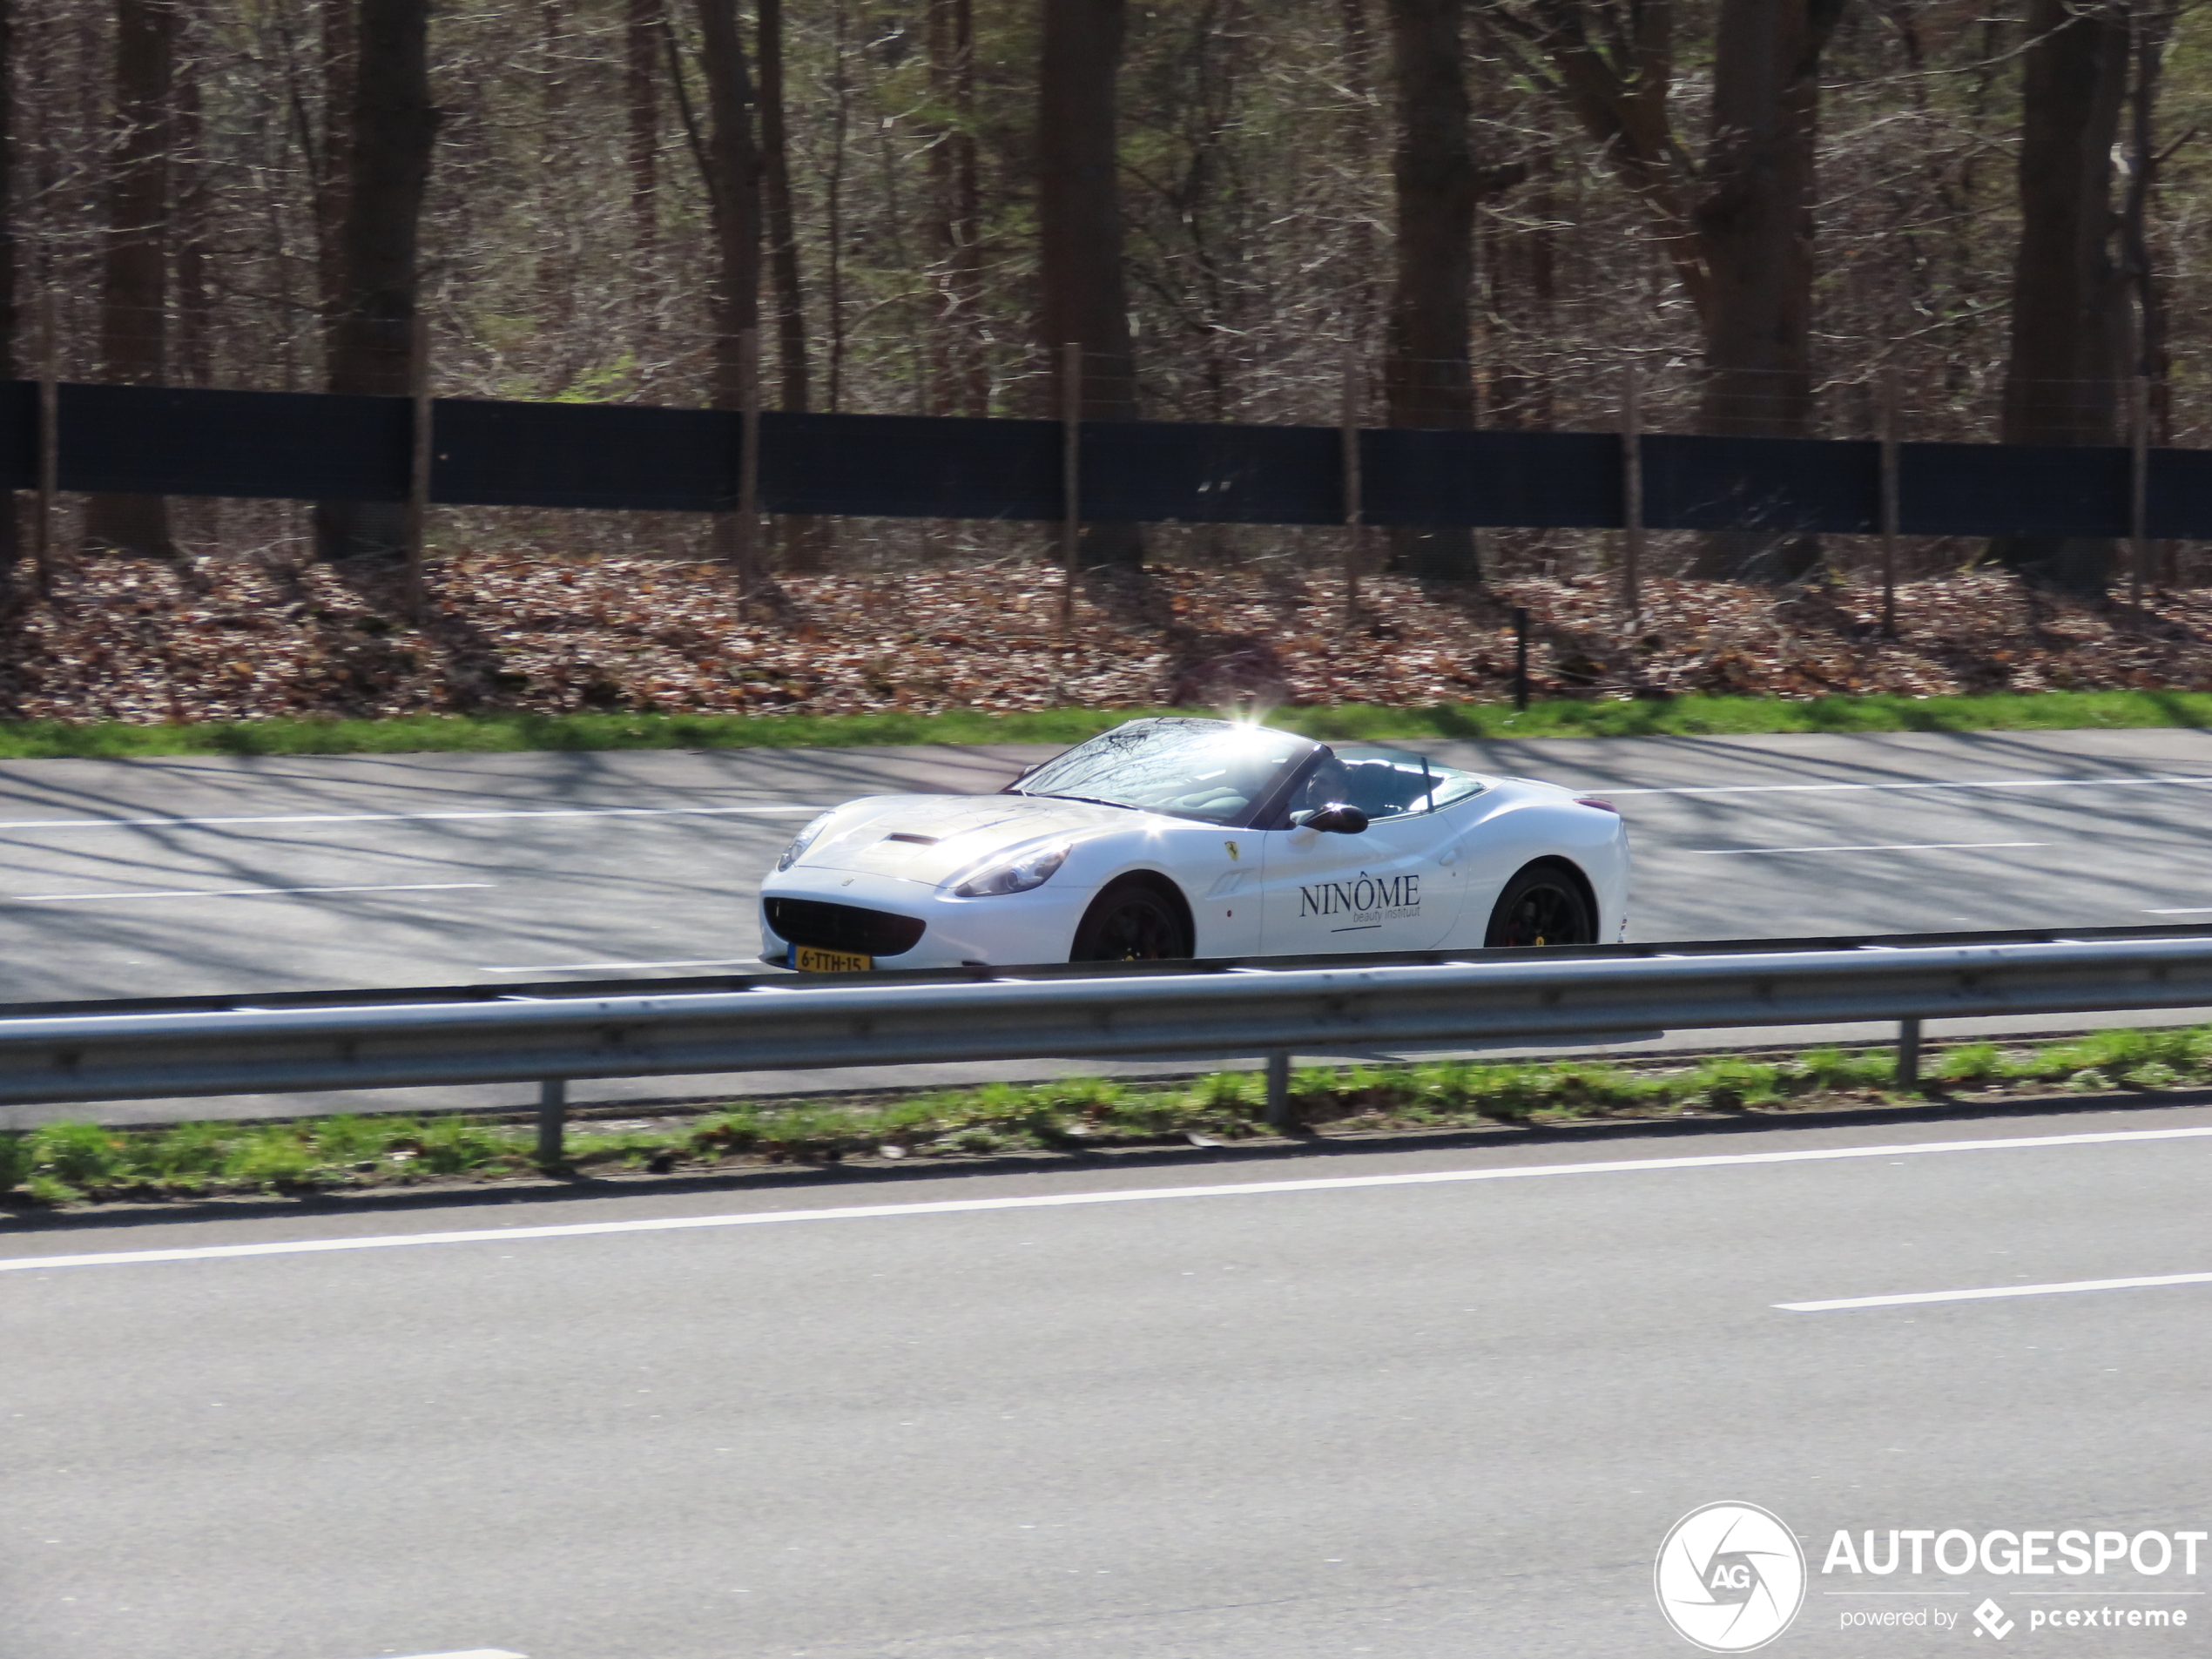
x=1279, y=1092
x=552, y=1121
x=1908, y=1053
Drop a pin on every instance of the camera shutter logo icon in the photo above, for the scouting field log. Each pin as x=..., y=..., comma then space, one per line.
x=1730, y=1577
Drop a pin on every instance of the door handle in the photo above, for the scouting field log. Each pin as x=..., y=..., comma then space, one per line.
x=1448, y=857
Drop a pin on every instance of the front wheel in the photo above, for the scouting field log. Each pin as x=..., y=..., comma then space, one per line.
x=1542, y=905
x=1133, y=924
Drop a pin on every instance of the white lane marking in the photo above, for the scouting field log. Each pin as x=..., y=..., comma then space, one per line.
x=502, y=1653
x=2198, y=910
x=1070, y=1200
x=1985, y=783
x=1908, y=846
x=397, y=818
x=568, y=968
x=244, y=892
x=1916, y=1297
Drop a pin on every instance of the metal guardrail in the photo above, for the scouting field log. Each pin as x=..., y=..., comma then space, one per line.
x=787, y=1023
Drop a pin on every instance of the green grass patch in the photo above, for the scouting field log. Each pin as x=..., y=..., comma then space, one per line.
x=1551, y=718
x=68, y=1163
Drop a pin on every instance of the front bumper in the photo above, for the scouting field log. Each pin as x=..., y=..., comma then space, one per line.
x=1008, y=930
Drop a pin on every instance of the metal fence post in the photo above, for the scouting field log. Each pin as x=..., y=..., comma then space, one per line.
x=1631, y=492
x=2138, y=488
x=1279, y=1092
x=1354, y=506
x=49, y=442
x=552, y=1121
x=1908, y=1053
x=748, y=525
x=1071, y=476
x=1889, y=515
x=419, y=456
x=1520, y=656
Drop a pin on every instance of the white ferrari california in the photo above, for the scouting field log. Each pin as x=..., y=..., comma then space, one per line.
x=1193, y=838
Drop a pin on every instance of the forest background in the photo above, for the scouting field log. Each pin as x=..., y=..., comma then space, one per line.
x=1785, y=216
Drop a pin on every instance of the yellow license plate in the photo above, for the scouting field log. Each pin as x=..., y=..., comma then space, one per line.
x=807, y=960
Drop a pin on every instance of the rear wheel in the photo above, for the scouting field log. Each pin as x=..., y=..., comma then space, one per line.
x=1544, y=904
x=1132, y=924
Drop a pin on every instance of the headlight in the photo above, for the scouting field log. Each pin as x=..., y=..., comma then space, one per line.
x=1016, y=871
x=804, y=839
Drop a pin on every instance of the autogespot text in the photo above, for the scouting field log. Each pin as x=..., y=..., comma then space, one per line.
x=2150, y=1560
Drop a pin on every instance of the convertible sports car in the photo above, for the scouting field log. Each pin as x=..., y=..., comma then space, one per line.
x=1175, y=838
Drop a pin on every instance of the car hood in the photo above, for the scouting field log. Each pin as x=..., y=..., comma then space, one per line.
x=930, y=838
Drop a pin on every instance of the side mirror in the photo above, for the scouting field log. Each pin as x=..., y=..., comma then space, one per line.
x=1338, y=819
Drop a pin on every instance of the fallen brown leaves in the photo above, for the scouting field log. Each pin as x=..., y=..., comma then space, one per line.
x=235, y=638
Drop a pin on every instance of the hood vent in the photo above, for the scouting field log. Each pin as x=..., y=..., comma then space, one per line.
x=914, y=840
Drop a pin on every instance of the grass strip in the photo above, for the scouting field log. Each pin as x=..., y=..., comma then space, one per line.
x=66, y=1163
x=1696, y=716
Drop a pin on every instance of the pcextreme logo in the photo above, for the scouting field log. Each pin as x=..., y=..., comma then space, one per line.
x=1730, y=1577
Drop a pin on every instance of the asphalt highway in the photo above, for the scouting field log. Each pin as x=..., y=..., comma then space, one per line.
x=168, y=877
x=156, y=877
x=1417, y=1404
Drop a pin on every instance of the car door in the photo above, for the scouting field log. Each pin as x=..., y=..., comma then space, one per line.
x=1393, y=887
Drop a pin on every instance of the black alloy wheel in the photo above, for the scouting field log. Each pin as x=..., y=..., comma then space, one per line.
x=1131, y=924
x=1542, y=905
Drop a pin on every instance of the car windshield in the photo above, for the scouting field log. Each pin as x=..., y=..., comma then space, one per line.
x=1205, y=769
x=1383, y=783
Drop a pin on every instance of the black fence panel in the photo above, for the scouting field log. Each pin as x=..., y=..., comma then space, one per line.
x=314, y=446
x=905, y=466
x=1797, y=484
x=18, y=434
x=2180, y=496
x=582, y=456
x=2012, y=490
x=158, y=441
x=1158, y=472
x=1534, y=480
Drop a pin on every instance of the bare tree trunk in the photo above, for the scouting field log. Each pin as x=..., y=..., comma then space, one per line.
x=11, y=361
x=802, y=539
x=556, y=270
x=393, y=125
x=733, y=163
x=962, y=379
x=733, y=188
x=328, y=154
x=2069, y=301
x=1427, y=378
x=1357, y=136
x=833, y=198
x=783, y=235
x=1079, y=224
x=195, y=298
x=1755, y=230
x=134, y=289
x=2152, y=25
x=643, y=20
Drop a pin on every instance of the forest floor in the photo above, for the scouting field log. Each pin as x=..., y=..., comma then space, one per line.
x=222, y=640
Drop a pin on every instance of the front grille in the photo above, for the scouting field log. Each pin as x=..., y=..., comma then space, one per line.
x=844, y=927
